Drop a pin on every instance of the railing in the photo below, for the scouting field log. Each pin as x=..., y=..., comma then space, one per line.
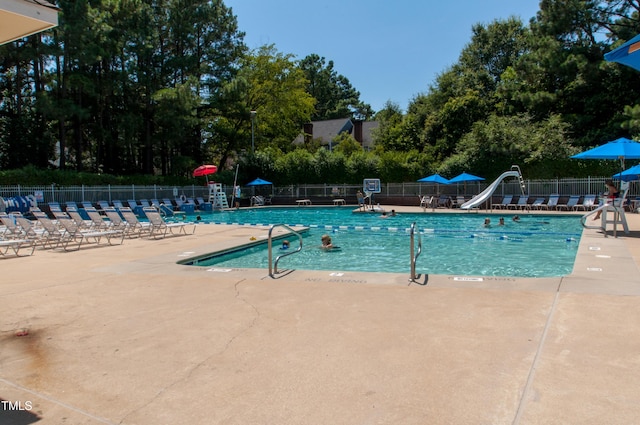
x=414, y=258
x=273, y=266
x=61, y=194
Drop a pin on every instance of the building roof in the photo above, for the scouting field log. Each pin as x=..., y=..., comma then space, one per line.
x=326, y=131
x=21, y=18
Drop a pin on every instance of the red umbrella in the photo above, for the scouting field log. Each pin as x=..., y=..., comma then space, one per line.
x=204, y=170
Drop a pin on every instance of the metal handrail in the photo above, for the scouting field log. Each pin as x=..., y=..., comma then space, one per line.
x=273, y=266
x=414, y=258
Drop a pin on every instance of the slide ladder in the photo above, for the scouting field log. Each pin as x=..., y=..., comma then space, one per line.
x=486, y=194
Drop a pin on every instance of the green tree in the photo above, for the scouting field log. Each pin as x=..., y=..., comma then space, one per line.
x=334, y=94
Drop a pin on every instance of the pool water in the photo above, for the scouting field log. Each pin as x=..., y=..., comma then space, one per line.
x=455, y=244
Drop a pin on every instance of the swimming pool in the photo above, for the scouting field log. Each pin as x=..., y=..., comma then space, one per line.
x=456, y=243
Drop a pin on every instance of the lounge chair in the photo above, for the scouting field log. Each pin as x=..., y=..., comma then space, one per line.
x=136, y=226
x=425, y=201
x=455, y=203
x=135, y=207
x=11, y=229
x=53, y=234
x=444, y=201
x=167, y=202
x=160, y=228
x=75, y=235
x=203, y=205
x=31, y=232
x=256, y=201
x=74, y=214
x=537, y=203
x=118, y=205
x=506, y=201
x=552, y=203
x=117, y=223
x=571, y=202
x=103, y=205
x=523, y=203
x=16, y=245
x=98, y=221
x=588, y=203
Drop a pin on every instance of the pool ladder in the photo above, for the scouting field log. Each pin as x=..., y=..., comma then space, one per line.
x=414, y=258
x=273, y=266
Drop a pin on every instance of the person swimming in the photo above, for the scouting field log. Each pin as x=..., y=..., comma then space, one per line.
x=285, y=244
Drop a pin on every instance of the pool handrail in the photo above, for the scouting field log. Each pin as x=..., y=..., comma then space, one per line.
x=273, y=266
x=414, y=258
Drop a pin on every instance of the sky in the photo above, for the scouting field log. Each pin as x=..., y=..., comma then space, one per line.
x=388, y=50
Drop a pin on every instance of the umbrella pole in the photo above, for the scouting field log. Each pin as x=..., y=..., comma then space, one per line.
x=235, y=181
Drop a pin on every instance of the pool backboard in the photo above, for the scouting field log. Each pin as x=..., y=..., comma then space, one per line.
x=371, y=185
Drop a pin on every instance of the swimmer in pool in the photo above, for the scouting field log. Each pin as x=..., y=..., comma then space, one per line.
x=326, y=242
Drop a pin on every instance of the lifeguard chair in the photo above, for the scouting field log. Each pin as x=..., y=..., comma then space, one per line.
x=217, y=197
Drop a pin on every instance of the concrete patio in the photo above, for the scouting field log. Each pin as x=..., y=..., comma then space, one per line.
x=124, y=335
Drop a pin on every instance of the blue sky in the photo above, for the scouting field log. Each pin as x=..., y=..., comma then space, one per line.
x=389, y=50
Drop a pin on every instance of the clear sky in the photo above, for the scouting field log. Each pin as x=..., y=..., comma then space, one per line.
x=387, y=49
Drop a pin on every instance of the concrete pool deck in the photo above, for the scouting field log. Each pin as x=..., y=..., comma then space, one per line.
x=123, y=335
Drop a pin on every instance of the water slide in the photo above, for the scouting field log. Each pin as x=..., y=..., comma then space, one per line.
x=482, y=197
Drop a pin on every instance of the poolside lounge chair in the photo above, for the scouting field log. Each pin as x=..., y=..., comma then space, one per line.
x=135, y=207
x=103, y=205
x=444, y=201
x=455, y=203
x=11, y=229
x=98, y=221
x=117, y=223
x=167, y=202
x=16, y=245
x=135, y=226
x=53, y=235
x=256, y=201
x=523, y=203
x=74, y=214
x=571, y=202
x=31, y=232
x=537, y=203
x=588, y=203
x=75, y=235
x=160, y=228
x=425, y=201
x=552, y=203
x=506, y=201
x=203, y=205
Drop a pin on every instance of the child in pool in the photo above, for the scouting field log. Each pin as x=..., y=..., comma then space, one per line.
x=326, y=242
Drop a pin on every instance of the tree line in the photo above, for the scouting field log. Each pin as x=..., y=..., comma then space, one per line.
x=157, y=87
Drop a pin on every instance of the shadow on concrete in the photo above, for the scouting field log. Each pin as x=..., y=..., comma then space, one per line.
x=17, y=413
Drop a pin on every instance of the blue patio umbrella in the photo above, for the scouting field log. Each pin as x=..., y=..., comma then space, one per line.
x=621, y=149
x=629, y=174
x=627, y=54
x=465, y=177
x=258, y=182
x=434, y=178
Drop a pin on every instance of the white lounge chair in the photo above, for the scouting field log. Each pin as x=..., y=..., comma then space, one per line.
x=160, y=228
x=75, y=235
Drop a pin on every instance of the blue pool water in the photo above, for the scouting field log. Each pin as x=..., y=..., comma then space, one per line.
x=458, y=244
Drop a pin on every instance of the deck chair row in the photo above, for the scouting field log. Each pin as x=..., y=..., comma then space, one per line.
x=551, y=203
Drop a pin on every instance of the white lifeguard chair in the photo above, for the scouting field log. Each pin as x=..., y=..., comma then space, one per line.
x=217, y=197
